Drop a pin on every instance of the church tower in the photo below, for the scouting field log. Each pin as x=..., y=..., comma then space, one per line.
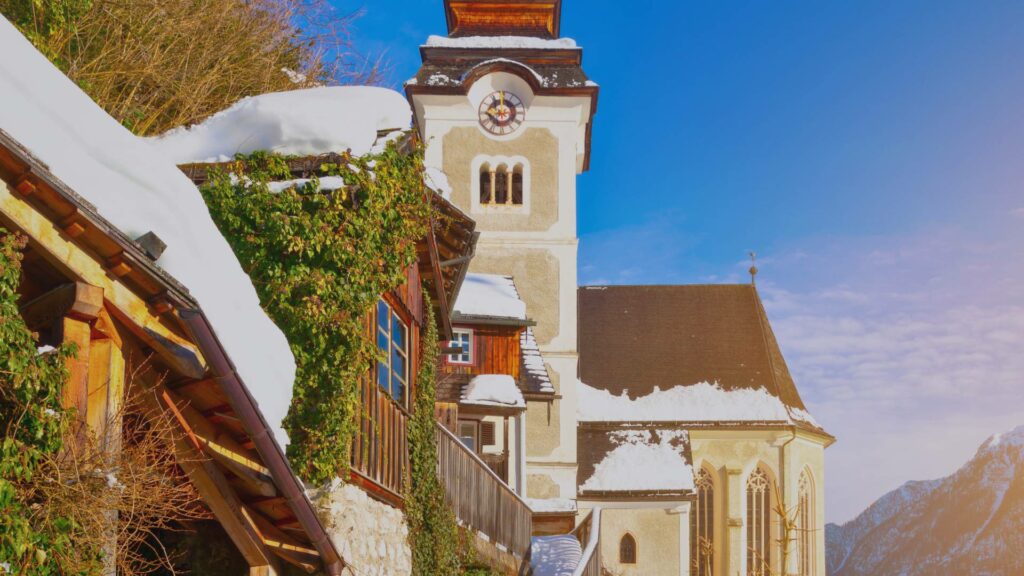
x=505, y=109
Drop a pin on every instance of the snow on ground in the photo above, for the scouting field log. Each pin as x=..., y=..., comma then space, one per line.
x=138, y=190
x=500, y=42
x=551, y=504
x=490, y=295
x=641, y=463
x=701, y=402
x=493, y=390
x=555, y=555
x=300, y=122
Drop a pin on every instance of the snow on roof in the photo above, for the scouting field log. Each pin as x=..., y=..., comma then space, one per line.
x=700, y=402
x=493, y=390
x=490, y=295
x=534, y=370
x=551, y=504
x=298, y=122
x=437, y=181
x=500, y=42
x=642, y=462
x=138, y=191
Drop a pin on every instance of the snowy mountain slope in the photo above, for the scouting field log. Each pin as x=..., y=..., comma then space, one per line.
x=971, y=522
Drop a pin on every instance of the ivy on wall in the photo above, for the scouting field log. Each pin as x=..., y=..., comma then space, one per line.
x=432, y=530
x=320, y=259
x=33, y=425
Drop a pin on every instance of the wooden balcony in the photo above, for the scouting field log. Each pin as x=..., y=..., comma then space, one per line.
x=480, y=499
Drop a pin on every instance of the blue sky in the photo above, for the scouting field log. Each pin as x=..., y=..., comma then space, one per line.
x=870, y=152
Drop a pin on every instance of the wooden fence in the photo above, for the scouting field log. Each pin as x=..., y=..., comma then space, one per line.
x=480, y=499
x=380, y=449
x=589, y=535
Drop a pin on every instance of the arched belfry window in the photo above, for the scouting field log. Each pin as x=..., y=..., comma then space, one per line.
x=501, y=184
x=702, y=525
x=627, y=549
x=759, y=538
x=805, y=517
x=486, y=184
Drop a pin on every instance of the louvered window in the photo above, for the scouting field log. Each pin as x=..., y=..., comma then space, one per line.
x=759, y=558
x=487, y=434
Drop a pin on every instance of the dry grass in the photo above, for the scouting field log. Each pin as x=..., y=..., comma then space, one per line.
x=159, y=64
x=124, y=497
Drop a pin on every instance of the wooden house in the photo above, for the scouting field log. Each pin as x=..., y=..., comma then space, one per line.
x=140, y=333
x=493, y=367
x=380, y=452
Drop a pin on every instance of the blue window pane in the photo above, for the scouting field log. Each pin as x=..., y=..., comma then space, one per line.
x=382, y=341
x=382, y=375
x=398, y=364
x=398, y=331
x=383, y=314
x=398, y=391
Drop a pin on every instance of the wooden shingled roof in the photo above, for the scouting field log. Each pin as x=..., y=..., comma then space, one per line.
x=633, y=338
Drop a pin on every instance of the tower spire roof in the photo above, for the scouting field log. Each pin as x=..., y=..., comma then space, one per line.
x=537, y=18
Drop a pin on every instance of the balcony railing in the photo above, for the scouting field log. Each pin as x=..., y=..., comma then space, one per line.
x=480, y=499
x=589, y=535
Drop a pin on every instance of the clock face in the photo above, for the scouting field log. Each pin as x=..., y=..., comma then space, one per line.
x=502, y=113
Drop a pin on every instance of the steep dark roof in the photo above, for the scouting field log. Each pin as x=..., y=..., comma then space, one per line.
x=637, y=337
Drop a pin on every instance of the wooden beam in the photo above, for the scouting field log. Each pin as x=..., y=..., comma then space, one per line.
x=60, y=251
x=77, y=300
x=215, y=489
x=280, y=543
x=220, y=446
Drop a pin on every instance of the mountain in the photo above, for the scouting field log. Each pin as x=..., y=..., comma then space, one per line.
x=971, y=522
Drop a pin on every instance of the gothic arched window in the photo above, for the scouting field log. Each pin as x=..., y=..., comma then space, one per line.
x=759, y=539
x=627, y=549
x=805, y=524
x=702, y=525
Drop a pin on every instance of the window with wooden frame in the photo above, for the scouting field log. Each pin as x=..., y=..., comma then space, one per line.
x=759, y=507
x=702, y=525
x=805, y=524
x=461, y=338
x=469, y=434
x=393, y=342
x=627, y=549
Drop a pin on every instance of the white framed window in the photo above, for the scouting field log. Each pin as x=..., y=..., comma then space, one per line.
x=501, y=184
x=461, y=338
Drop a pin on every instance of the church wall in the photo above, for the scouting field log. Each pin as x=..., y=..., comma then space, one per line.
x=658, y=532
x=732, y=455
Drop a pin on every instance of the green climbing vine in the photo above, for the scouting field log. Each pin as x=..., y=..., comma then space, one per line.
x=319, y=260
x=433, y=534
x=34, y=425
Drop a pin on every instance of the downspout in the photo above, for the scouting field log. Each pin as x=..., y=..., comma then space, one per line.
x=783, y=477
x=245, y=406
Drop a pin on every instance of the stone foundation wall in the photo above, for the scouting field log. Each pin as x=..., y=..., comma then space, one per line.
x=370, y=535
